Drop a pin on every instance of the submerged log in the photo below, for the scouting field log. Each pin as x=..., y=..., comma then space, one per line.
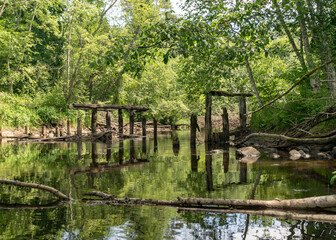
x=311, y=203
x=38, y=186
x=289, y=139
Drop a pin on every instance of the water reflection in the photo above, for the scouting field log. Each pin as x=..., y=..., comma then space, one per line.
x=129, y=168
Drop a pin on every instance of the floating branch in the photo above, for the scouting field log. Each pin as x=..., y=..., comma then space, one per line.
x=38, y=186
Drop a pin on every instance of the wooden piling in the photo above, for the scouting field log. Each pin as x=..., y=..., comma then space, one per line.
x=79, y=150
x=193, y=128
x=57, y=131
x=225, y=122
x=94, y=154
x=208, y=123
x=94, y=119
x=120, y=122
x=242, y=113
x=121, y=151
x=144, y=133
x=68, y=127
x=193, y=157
x=79, y=128
x=26, y=129
x=132, y=151
x=108, y=121
x=131, y=123
x=155, y=135
x=108, y=150
x=43, y=132
x=208, y=166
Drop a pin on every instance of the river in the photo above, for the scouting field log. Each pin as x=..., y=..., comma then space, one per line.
x=136, y=168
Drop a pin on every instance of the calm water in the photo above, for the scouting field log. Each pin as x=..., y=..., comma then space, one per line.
x=135, y=169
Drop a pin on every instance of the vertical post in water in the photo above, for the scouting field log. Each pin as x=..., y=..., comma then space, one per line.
x=26, y=129
x=108, y=150
x=208, y=123
x=79, y=150
x=226, y=131
x=68, y=127
x=94, y=118
x=43, y=131
x=57, y=131
x=131, y=124
x=208, y=166
x=79, y=128
x=144, y=133
x=120, y=122
x=242, y=113
x=155, y=135
x=108, y=126
x=121, y=151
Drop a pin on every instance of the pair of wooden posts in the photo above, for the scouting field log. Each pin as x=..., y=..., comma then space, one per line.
x=58, y=131
x=225, y=119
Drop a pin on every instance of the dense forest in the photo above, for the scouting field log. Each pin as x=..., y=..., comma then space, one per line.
x=57, y=52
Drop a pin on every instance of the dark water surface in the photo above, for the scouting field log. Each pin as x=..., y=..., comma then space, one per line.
x=133, y=169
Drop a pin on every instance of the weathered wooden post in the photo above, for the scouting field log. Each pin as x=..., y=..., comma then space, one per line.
x=226, y=130
x=57, y=131
x=79, y=128
x=94, y=119
x=108, y=126
x=208, y=123
x=43, y=132
x=242, y=113
x=120, y=122
x=131, y=123
x=26, y=129
x=193, y=128
x=108, y=121
x=61, y=130
x=68, y=127
x=144, y=133
x=155, y=135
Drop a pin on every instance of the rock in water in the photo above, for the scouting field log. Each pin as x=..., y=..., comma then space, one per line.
x=248, y=152
x=294, y=154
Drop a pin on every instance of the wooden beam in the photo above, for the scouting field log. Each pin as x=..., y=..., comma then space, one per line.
x=228, y=94
x=105, y=107
x=225, y=122
x=131, y=125
x=120, y=122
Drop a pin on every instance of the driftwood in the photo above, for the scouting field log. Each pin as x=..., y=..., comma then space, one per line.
x=38, y=186
x=312, y=203
x=289, y=139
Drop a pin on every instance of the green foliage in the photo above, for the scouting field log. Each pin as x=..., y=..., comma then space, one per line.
x=333, y=178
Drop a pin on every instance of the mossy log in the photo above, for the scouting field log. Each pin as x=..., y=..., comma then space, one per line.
x=289, y=139
x=312, y=203
x=38, y=186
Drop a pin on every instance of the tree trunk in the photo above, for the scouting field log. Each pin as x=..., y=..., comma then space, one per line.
x=289, y=35
x=314, y=81
x=3, y=7
x=250, y=73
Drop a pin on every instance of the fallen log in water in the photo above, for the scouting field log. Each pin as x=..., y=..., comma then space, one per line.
x=312, y=203
x=292, y=140
x=38, y=186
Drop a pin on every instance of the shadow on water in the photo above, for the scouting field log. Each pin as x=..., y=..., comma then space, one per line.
x=152, y=168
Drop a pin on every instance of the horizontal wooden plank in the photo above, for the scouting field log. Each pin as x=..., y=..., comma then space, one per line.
x=228, y=94
x=105, y=107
